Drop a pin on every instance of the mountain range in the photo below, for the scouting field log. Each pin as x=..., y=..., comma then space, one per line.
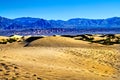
x=37, y=23
x=27, y=24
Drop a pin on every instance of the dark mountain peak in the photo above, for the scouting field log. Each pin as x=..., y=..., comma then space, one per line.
x=78, y=19
x=4, y=22
x=26, y=20
x=41, y=24
x=41, y=20
x=114, y=18
x=3, y=19
x=0, y=16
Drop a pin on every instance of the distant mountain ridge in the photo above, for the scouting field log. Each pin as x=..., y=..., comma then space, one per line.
x=76, y=23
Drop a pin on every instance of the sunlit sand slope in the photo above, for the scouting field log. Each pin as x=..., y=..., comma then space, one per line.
x=50, y=59
x=58, y=42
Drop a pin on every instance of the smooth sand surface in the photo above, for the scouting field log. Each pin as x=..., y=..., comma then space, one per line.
x=59, y=58
x=59, y=41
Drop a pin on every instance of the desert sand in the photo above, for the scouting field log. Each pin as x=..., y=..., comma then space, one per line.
x=59, y=58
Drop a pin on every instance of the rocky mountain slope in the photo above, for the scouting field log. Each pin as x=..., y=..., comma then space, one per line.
x=77, y=23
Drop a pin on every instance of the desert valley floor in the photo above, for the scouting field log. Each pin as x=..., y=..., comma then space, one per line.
x=59, y=58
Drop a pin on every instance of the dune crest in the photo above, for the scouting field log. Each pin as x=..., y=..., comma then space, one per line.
x=57, y=41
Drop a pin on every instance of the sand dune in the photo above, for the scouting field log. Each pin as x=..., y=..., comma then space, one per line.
x=58, y=41
x=3, y=38
x=59, y=58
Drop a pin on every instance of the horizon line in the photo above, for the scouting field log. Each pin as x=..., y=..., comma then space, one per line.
x=62, y=19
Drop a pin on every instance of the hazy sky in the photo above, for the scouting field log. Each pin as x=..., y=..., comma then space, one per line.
x=60, y=9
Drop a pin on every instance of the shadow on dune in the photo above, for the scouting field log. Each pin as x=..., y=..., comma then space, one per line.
x=29, y=40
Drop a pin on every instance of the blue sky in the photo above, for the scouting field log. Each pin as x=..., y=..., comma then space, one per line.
x=60, y=9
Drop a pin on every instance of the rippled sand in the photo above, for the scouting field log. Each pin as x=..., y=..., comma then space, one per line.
x=58, y=58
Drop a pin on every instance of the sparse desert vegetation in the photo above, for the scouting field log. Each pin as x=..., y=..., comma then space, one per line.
x=65, y=57
x=105, y=39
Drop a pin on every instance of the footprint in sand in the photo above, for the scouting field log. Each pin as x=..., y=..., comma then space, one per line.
x=9, y=71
